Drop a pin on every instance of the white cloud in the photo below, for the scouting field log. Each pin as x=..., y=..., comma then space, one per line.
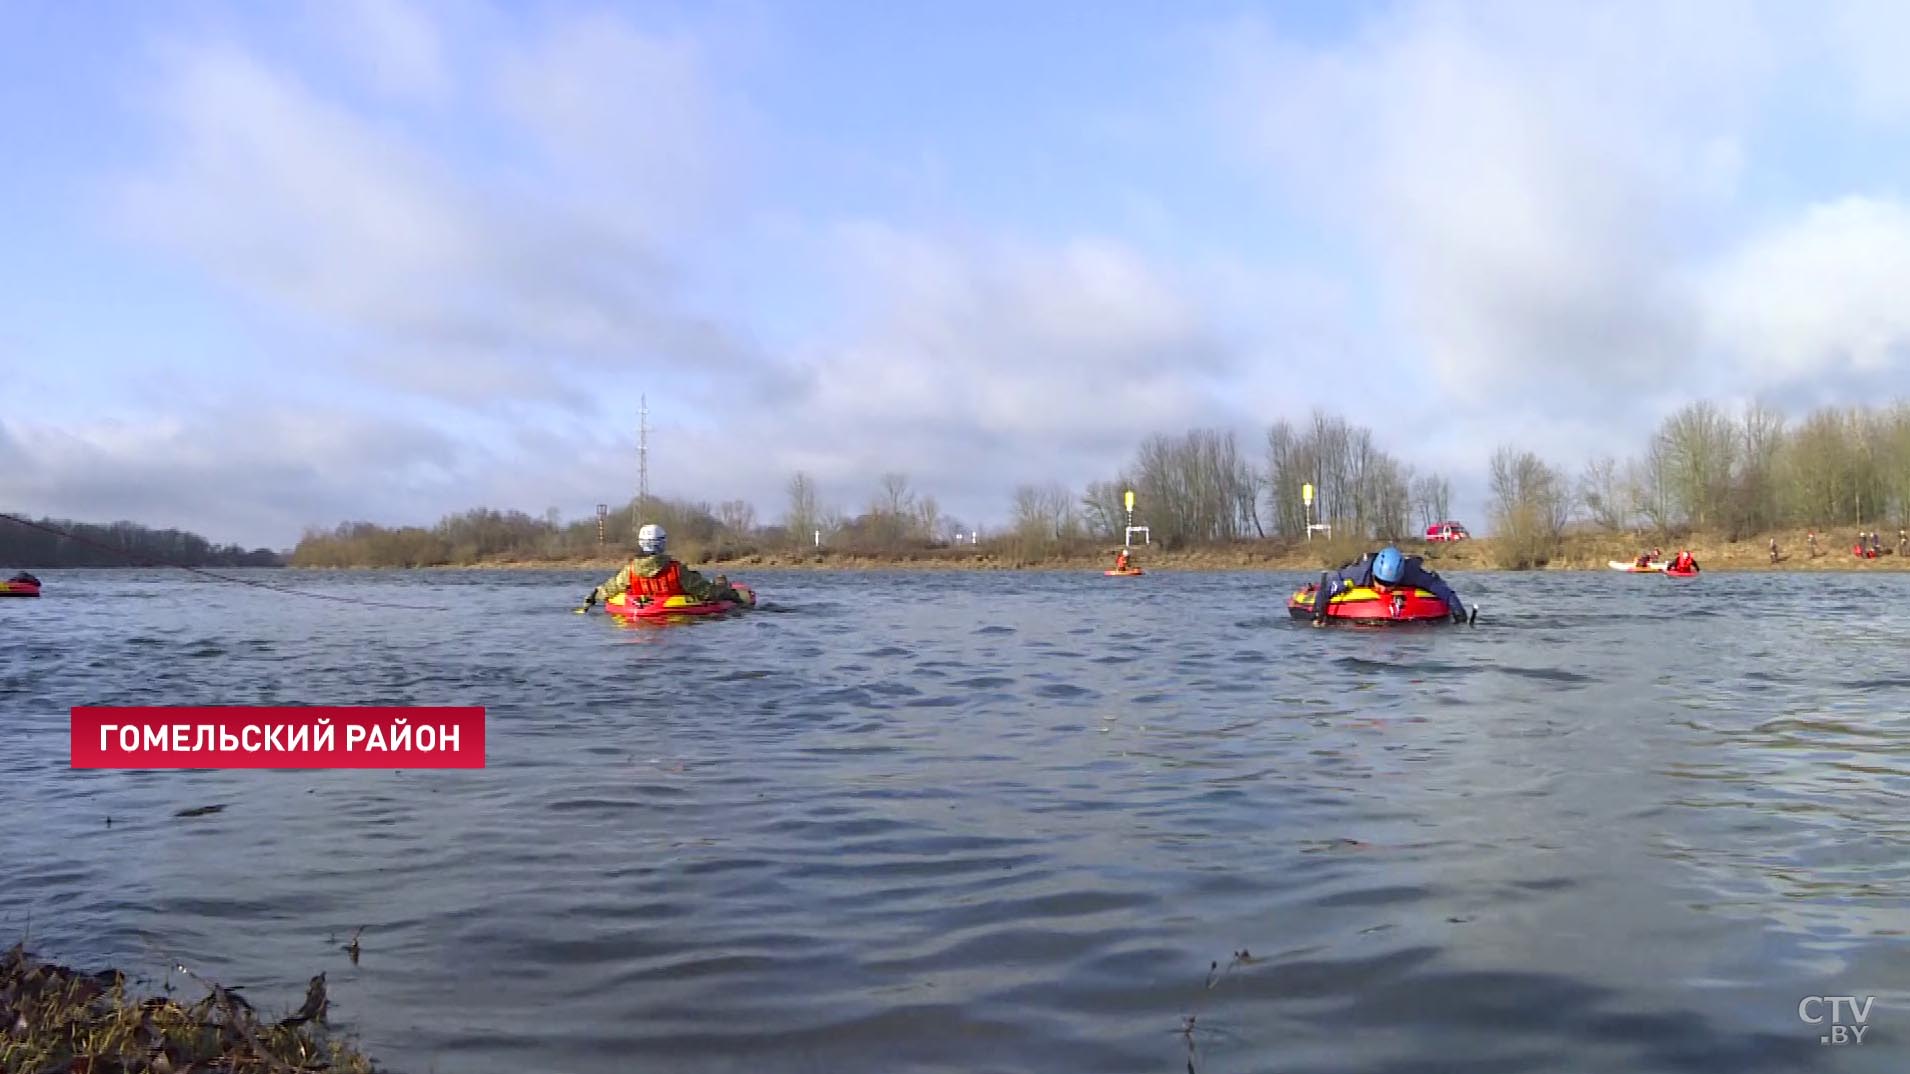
x=972, y=364
x=394, y=42
x=1525, y=180
x=627, y=118
x=1866, y=46
x=255, y=475
x=1820, y=294
x=421, y=277
x=1003, y=338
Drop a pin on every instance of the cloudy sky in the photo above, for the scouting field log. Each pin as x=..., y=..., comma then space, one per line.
x=267, y=266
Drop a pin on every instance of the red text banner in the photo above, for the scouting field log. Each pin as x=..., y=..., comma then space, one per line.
x=298, y=736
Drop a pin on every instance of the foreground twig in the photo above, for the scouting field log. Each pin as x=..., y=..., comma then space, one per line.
x=1189, y=1025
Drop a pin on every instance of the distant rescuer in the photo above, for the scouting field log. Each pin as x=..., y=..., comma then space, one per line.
x=654, y=574
x=1388, y=569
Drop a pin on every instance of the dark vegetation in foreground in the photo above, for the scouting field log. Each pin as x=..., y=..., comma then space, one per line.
x=57, y=1019
x=117, y=544
x=1737, y=476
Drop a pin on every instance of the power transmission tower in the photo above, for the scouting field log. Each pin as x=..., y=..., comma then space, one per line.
x=643, y=464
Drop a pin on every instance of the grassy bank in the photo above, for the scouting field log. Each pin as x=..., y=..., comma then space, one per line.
x=1714, y=552
x=53, y=1018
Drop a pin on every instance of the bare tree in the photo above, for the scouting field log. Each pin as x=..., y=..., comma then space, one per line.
x=1045, y=518
x=1386, y=485
x=1289, y=466
x=1104, y=508
x=1195, y=487
x=1432, y=500
x=1646, y=486
x=1699, y=448
x=1530, y=506
x=1895, y=457
x=891, y=515
x=1601, y=488
x=1358, y=488
x=1753, y=502
x=737, y=517
x=895, y=495
x=801, y=518
x=928, y=520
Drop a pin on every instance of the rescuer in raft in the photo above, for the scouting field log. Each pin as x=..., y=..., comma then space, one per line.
x=1684, y=562
x=654, y=574
x=1121, y=560
x=1387, y=568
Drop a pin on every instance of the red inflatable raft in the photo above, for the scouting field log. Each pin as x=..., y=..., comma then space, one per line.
x=674, y=607
x=1368, y=606
x=20, y=585
x=1131, y=572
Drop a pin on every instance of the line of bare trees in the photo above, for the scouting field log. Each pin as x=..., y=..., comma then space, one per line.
x=1744, y=473
x=118, y=544
x=1199, y=488
x=1195, y=488
x=1704, y=468
x=1359, y=489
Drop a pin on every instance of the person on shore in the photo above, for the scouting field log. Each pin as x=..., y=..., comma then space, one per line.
x=1384, y=570
x=1773, y=550
x=1902, y=540
x=653, y=574
x=1811, y=539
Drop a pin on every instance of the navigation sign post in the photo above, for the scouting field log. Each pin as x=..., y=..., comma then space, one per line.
x=1127, y=536
x=1306, y=497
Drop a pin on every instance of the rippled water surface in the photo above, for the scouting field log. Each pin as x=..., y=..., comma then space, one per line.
x=1006, y=822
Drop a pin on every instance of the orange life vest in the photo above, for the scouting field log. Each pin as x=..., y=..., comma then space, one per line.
x=667, y=583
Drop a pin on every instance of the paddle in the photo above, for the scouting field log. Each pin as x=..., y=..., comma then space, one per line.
x=588, y=601
x=1318, y=619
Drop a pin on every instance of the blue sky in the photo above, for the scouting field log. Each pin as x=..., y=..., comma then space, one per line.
x=270, y=267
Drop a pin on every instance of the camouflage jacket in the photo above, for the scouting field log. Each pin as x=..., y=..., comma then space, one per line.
x=694, y=584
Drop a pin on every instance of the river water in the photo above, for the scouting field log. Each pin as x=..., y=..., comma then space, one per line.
x=1006, y=822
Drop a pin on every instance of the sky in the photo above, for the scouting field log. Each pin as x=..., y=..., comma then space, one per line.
x=267, y=267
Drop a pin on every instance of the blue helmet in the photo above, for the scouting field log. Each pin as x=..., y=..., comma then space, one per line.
x=1389, y=565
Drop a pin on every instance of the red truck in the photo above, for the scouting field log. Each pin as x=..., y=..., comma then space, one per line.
x=1446, y=531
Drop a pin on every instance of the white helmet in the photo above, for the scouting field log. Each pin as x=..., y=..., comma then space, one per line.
x=651, y=538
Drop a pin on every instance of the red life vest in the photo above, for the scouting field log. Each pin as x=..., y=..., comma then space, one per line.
x=667, y=583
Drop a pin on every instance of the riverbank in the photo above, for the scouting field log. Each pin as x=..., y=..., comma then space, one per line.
x=56, y=1018
x=1714, y=552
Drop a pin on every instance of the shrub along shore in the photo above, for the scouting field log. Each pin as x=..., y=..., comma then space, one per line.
x=53, y=1018
x=1714, y=552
